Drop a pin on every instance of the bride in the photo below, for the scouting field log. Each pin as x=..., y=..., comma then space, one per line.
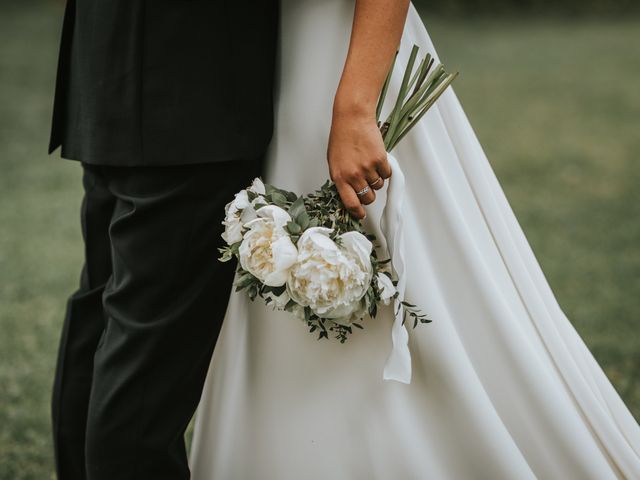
x=502, y=386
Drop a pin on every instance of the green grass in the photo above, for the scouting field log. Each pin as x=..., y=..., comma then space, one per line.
x=554, y=105
x=40, y=248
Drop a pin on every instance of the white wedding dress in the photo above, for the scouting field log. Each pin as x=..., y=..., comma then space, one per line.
x=502, y=385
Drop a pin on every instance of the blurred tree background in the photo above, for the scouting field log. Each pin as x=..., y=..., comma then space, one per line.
x=551, y=89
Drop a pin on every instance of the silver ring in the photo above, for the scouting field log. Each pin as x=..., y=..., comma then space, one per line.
x=364, y=191
x=374, y=183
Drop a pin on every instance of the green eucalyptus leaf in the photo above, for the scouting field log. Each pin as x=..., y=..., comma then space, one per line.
x=297, y=207
x=303, y=220
x=269, y=189
x=290, y=305
x=277, y=291
x=291, y=196
x=245, y=280
x=294, y=228
x=235, y=247
x=227, y=254
x=279, y=199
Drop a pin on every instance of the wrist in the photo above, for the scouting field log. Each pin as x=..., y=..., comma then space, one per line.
x=354, y=103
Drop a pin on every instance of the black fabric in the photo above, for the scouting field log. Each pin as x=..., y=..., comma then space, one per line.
x=140, y=331
x=165, y=82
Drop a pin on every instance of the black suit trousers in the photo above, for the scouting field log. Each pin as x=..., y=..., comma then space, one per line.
x=139, y=332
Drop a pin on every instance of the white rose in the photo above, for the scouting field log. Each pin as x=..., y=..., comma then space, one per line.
x=267, y=251
x=386, y=287
x=331, y=279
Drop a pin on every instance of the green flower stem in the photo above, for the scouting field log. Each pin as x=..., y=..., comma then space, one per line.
x=424, y=91
x=415, y=77
x=442, y=87
x=385, y=87
x=423, y=75
x=395, y=114
x=427, y=85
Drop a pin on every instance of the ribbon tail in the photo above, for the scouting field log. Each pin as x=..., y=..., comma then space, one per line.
x=398, y=364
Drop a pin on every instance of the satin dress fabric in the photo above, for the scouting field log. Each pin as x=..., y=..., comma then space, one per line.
x=502, y=385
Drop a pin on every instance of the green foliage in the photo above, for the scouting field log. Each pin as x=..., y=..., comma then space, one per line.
x=413, y=312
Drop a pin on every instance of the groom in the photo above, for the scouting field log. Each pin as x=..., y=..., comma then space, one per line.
x=167, y=104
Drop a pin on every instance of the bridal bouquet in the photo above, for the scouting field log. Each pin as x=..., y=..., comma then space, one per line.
x=306, y=254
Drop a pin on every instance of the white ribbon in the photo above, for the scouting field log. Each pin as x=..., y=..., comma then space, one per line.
x=398, y=365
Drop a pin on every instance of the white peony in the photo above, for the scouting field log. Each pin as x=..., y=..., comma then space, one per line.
x=240, y=211
x=331, y=279
x=267, y=251
x=386, y=287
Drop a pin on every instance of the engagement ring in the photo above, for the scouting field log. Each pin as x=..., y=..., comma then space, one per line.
x=363, y=191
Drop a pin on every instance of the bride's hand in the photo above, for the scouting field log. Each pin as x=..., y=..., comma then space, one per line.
x=357, y=157
x=356, y=152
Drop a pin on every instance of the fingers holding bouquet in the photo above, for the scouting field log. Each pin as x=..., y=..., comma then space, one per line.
x=368, y=182
x=357, y=160
x=375, y=180
x=378, y=182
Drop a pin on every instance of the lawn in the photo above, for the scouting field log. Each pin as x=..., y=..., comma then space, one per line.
x=556, y=107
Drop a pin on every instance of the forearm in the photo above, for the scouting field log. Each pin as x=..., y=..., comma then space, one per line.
x=375, y=37
x=357, y=158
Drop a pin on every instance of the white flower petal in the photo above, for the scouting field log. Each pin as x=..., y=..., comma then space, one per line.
x=232, y=233
x=257, y=186
x=241, y=199
x=276, y=279
x=276, y=214
x=331, y=279
x=284, y=252
x=248, y=214
x=279, y=301
x=386, y=287
x=358, y=244
x=267, y=251
x=237, y=212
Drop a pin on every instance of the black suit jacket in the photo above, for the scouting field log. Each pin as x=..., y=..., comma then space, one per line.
x=165, y=82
